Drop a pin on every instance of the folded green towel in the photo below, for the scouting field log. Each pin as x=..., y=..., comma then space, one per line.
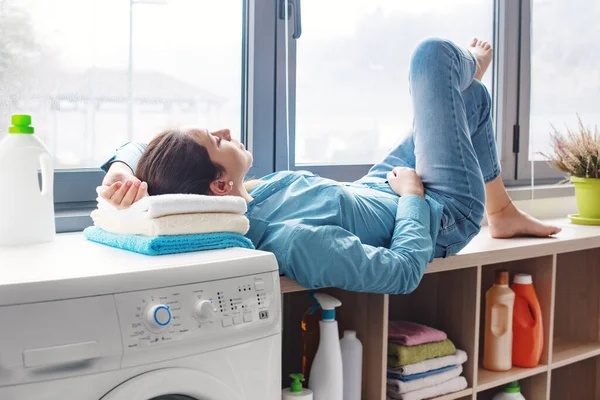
x=399, y=355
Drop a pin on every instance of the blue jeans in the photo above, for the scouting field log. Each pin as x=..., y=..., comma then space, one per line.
x=452, y=146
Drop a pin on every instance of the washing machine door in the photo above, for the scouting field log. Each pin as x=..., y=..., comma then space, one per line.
x=172, y=384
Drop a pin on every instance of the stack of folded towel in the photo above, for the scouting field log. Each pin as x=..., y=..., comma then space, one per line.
x=422, y=363
x=172, y=223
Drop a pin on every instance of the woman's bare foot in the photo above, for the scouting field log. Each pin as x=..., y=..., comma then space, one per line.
x=510, y=222
x=483, y=53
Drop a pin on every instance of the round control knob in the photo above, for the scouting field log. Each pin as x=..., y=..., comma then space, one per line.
x=159, y=316
x=204, y=311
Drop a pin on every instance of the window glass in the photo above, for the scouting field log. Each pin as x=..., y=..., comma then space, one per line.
x=352, y=99
x=565, y=76
x=67, y=62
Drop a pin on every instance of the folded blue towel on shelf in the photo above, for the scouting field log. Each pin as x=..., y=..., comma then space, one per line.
x=161, y=245
x=408, y=378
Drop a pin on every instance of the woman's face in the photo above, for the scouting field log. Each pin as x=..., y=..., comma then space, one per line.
x=225, y=151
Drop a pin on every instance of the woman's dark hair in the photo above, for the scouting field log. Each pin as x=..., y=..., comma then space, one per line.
x=175, y=162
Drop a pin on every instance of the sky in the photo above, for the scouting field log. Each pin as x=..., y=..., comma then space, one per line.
x=189, y=39
x=198, y=41
x=209, y=28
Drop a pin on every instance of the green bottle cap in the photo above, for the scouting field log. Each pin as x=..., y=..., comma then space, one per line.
x=512, y=387
x=21, y=124
x=296, y=386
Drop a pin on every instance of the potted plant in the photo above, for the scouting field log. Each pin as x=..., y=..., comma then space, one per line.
x=578, y=154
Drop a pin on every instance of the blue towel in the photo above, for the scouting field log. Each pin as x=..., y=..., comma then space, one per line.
x=408, y=378
x=160, y=245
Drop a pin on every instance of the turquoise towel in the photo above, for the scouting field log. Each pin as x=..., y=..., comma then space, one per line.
x=408, y=378
x=161, y=245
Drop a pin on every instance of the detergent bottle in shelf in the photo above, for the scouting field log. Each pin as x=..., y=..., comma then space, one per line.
x=512, y=391
x=528, y=330
x=497, y=345
x=326, y=375
x=296, y=391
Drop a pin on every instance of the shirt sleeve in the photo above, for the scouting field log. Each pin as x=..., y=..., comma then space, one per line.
x=129, y=154
x=330, y=256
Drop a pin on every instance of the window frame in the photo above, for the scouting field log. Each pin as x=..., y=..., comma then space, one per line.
x=540, y=172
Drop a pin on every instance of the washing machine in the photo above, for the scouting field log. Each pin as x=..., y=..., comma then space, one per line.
x=86, y=322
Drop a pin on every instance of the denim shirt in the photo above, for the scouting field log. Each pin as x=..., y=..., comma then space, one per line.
x=355, y=236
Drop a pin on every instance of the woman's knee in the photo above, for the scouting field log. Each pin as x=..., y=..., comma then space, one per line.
x=481, y=93
x=430, y=53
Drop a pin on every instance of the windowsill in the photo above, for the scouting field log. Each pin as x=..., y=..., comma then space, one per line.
x=541, y=192
x=73, y=220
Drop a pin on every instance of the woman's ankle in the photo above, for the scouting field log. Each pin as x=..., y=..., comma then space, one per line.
x=499, y=212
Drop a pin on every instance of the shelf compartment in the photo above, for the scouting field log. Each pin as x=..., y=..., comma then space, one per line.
x=490, y=379
x=532, y=387
x=565, y=351
x=577, y=307
x=363, y=312
x=541, y=270
x=446, y=301
x=576, y=381
x=462, y=395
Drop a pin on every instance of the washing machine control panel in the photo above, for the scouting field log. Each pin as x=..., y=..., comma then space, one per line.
x=160, y=316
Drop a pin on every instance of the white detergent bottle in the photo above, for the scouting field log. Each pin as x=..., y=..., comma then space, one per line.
x=326, y=375
x=26, y=212
x=296, y=391
x=512, y=391
x=352, y=355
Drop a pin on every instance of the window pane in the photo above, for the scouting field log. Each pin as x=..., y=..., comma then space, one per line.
x=66, y=62
x=352, y=99
x=565, y=77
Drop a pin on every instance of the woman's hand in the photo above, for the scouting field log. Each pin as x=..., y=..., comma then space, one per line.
x=405, y=181
x=121, y=187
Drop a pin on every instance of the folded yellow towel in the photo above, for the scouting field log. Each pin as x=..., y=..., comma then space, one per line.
x=170, y=225
x=399, y=355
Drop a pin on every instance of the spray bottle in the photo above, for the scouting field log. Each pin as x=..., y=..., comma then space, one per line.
x=326, y=376
x=310, y=335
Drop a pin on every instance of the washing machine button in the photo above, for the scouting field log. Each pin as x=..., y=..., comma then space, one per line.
x=237, y=320
x=226, y=322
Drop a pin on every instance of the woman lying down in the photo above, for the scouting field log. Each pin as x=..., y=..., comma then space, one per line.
x=425, y=199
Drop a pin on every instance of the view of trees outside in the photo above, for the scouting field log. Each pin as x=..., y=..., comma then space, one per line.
x=66, y=62
x=565, y=74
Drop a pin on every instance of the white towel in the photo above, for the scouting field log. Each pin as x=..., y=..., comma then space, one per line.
x=460, y=357
x=451, y=386
x=399, y=387
x=181, y=224
x=171, y=204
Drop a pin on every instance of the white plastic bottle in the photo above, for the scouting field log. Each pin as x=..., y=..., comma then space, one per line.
x=352, y=354
x=512, y=391
x=26, y=212
x=326, y=375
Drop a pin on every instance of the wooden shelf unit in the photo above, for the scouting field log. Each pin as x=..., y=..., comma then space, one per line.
x=451, y=297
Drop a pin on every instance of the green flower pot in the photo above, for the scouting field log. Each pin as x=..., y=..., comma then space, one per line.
x=587, y=192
